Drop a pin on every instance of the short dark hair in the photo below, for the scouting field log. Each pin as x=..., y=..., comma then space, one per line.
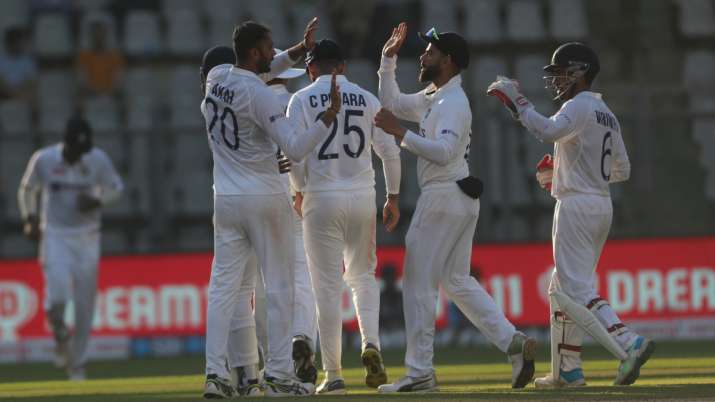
x=327, y=66
x=78, y=133
x=246, y=37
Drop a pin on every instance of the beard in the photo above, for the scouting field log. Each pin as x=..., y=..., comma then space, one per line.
x=264, y=66
x=428, y=73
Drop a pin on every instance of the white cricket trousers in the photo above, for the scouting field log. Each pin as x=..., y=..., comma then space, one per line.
x=244, y=224
x=579, y=231
x=304, y=314
x=69, y=262
x=439, y=250
x=340, y=227
x=242, y=340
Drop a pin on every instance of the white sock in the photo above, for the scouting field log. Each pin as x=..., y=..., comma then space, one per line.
x=332, y=375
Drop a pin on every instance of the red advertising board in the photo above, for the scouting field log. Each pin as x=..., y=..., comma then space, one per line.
x=153, y=295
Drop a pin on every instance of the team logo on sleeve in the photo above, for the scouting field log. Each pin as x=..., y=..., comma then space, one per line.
x=275, y=117
x=450, y=132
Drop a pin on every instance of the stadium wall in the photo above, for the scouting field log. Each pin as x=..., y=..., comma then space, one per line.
x=156, y=304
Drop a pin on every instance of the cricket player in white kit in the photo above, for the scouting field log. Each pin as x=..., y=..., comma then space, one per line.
x=589, y=154
x=252, y=212
x=439, y=240
x=338, y=185
x=305, y=326
x=75, y=180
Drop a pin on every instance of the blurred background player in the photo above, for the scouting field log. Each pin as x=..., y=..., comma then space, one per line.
x=338, y=184
x=589, y=154
x=75, y=180
x=439, y=241
x=245, y=121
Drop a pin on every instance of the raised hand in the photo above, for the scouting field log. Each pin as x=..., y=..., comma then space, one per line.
x=508, y=93
x=309, y=34
x=393, y=44
x=336, y=100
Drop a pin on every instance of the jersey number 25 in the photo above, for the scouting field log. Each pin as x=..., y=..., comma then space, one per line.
x=347, y=129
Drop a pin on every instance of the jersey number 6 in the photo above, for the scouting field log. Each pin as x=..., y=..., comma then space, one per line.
x=604, y=153
x=226, y=112
x=347, y=128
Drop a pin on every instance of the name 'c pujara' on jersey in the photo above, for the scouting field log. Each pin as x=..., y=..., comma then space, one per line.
x=349, y=99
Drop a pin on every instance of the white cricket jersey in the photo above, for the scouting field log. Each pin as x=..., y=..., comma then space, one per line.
x=589, y=152
x=283, y=97
x=61, y=184
x=244, y=122
x=343, y=161
x=445, y=120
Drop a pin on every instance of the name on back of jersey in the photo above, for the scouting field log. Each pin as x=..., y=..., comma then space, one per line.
x=349, y=99
x=607, y=120
x=223, y=93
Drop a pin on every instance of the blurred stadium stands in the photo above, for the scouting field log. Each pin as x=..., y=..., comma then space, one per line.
x=658, y=64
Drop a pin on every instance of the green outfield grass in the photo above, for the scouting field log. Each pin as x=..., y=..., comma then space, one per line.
x=677, y=372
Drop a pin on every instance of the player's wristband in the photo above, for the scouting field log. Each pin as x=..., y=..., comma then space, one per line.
x=393, y=196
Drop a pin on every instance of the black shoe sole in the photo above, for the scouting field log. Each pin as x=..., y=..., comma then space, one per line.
x=375, y=374
x=303, y=362
x=527, y=371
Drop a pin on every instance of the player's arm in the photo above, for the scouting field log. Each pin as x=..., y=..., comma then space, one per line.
x=270, y=116
x=389, y=153
x=441, y=150
x=27, y=196
x=408, y=107
x=296, y=118
x=557, y=127
x=286, y=59
x=110, y=183
x=546, y=129
x=620, y=165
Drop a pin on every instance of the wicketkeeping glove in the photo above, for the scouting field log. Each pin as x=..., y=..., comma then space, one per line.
x=507, y=91
x=545, y=172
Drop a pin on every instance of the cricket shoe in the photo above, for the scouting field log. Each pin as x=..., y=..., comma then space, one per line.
x=253, y=388
x=218, y=388
x=375, y=374
x=630, y=368
x=335, y=387
x=244, y=385
x=418, y=385
x=61, y=356
x=277, y=387
x=521, y=351
x=571, y=378
x=304, y=360
x=76, y=374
